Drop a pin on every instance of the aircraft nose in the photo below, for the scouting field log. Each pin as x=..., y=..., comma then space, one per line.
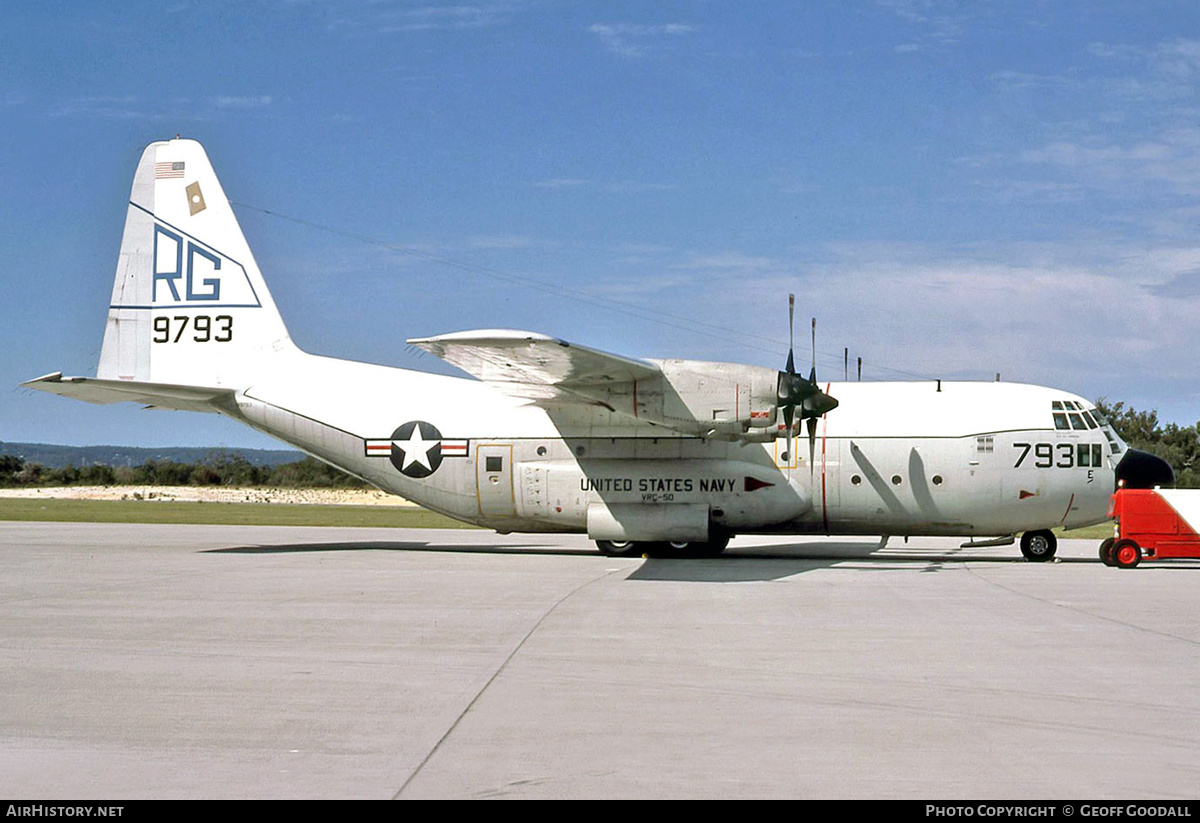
x=1142, y=470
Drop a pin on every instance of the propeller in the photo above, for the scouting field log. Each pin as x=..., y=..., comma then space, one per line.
x=794, y=392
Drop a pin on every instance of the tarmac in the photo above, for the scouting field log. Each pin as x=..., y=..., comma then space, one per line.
x=271, y=662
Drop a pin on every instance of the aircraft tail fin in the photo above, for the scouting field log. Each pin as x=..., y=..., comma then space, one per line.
x=189, y=305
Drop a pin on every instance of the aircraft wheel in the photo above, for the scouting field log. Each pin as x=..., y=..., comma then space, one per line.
x=1126, y=554
x=682, y=548
x=709, y=548
x=620, y=548
x=1039, y=546
x=670, y=548
x=1106, y=551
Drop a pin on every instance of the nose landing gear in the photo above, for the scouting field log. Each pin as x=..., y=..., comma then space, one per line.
x=1039, y=546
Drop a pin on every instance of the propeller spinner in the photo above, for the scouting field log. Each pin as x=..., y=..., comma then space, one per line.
x=794, y=392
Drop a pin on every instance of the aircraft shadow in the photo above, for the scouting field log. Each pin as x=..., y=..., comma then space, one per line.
x=774, y=562
x=400, y=546
x=738, y=564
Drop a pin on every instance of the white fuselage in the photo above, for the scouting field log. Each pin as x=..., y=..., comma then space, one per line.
x=557, y=436
x=970, y=459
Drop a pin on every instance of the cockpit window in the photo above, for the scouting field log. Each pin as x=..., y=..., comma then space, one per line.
x=1071, y=415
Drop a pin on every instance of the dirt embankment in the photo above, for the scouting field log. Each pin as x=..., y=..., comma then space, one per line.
x=214, y=494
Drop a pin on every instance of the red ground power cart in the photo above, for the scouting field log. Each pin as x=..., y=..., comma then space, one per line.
x=1153, y=524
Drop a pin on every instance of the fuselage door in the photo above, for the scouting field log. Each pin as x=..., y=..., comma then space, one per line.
x=493, y=480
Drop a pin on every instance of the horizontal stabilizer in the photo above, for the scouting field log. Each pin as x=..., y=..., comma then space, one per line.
x=158, y=395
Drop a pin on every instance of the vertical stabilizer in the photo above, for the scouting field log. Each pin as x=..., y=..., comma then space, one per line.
x=189, y=305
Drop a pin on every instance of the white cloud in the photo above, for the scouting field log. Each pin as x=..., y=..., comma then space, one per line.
x=377, y=18
x=560, y=183
x=635, y=187
x=506, y=241
x=1115, y=319
x=614, y=187
x=244, y=102
x=1169, y=159
x=1177, y=58
x=450, y=17
x=632, y=40
x=127, y=108
x=938, y=21
x=730, y=261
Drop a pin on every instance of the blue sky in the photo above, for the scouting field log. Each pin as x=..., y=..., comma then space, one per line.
x=952, y=189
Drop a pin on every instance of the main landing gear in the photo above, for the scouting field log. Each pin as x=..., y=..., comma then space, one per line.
x=1039, y=546
x=631, y=548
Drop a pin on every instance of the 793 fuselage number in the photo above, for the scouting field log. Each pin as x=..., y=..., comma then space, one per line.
x=1060, y=455
x=199, y=328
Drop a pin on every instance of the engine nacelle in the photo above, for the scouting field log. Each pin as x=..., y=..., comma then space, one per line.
x=722, y=400
x=684, y=522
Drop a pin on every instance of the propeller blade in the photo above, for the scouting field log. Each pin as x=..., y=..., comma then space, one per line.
x=812, y=376
x=812, y=443
x=789, y=413
x=791, y=363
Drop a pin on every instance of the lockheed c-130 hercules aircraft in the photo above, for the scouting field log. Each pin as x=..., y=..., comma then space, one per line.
x=643, y=456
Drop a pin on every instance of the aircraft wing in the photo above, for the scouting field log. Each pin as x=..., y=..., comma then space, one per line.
x=155, y=395
x=535, y=366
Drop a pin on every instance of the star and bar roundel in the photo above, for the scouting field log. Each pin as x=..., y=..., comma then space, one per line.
x=416, y=449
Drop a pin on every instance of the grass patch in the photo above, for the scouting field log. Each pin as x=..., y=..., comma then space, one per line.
x=1096, y=532
x=225, y=514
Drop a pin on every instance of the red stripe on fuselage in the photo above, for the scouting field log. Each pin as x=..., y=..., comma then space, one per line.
x=824, y=502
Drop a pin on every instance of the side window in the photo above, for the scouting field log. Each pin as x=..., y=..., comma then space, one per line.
x=1113, y=446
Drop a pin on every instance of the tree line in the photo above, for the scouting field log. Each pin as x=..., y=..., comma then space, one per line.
x=1178, y=445
x=218, y=469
